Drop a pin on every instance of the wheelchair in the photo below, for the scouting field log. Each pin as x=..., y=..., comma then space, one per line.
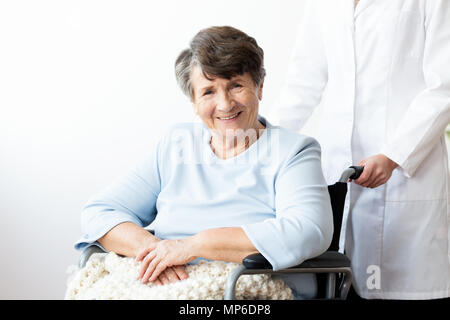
x=332, y=268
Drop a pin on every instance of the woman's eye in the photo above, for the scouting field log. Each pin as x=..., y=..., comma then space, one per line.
x=237, y=85
x=207, y=93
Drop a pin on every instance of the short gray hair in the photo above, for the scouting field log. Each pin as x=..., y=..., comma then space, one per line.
x=223, y=52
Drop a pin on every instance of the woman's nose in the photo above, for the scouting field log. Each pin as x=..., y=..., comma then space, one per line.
x=225, y=103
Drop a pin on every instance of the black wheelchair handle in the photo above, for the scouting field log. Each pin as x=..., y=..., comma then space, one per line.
x=358, y=171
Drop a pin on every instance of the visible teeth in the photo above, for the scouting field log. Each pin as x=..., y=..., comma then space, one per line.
x=230, y=117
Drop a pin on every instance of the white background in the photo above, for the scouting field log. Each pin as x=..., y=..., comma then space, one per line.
x=86, y=88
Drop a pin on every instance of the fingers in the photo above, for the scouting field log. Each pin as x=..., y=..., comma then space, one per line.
x=154, y=269
x=150, y=272
x=181, y=272
x=376, y=181
x=365, y=174
x=142, y=254
x=371, y=183
x=377, y=171
x=171, y=275
x=145, y=263
x=163, y=264
x=379, y=182
x=365, y=178
x=159, y=268
x=164, y=278
x=378, y=178
x=372, y=176
x=375, y=185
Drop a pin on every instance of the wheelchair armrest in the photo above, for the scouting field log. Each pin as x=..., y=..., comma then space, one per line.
x=87, y=253
x=256, y=261
x=329, y=259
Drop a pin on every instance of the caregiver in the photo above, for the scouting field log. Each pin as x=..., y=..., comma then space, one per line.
x=384, y=67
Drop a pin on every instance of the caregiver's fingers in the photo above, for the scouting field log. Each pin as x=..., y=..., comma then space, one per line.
x=364, y=179
x=364, y=175
x=379, y=182
x=375, y=185
x=367, y=176
x=381, y=177
x=371, y=180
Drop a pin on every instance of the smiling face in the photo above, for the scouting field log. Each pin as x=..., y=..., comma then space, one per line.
x=226, y=105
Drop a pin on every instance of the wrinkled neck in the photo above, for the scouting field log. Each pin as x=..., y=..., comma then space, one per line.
x=228, y=147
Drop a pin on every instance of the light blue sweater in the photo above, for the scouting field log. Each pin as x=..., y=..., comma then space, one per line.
x=275, y=191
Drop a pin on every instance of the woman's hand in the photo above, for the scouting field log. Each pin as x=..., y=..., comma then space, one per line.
x=377, y=171
x=171, y=275
x=166, y=259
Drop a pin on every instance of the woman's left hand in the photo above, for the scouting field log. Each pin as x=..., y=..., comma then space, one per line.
x=377, y=171
x=167, y=253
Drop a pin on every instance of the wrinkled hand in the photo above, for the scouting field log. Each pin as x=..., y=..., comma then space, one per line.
x=170, y=275
x=164, y=262
x=377, y=171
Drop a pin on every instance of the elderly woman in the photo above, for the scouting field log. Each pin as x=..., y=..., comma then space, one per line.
x=222, y=189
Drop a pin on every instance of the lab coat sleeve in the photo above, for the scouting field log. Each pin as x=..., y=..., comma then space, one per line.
x=131, y=198
x=303, y=226
x=429, y=113
x=307, y=74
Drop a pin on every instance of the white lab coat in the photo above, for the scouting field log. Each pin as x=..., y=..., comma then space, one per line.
x=385, y=71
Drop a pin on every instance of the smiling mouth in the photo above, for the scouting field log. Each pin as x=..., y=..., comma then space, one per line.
x=231, y=117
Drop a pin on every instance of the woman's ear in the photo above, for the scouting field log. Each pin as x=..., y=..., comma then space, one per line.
x=260, y=89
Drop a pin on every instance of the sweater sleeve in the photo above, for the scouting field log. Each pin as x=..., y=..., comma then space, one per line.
x=303, y=226
x=131, y=198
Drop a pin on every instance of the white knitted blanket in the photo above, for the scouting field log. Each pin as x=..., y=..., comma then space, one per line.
x=108, y=276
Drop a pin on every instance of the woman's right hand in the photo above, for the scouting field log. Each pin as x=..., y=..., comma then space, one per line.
x=169, y=275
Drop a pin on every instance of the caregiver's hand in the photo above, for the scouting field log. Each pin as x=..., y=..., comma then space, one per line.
x=377, y=171
x=163, y=258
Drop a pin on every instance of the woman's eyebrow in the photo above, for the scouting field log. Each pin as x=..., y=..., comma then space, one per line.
x=207, y=88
